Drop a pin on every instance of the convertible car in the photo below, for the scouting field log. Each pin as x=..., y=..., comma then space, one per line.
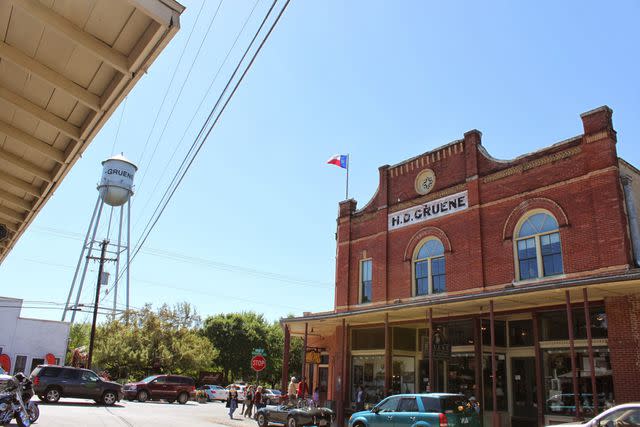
x=294, y=416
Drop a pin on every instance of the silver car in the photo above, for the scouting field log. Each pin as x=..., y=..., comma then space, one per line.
x=627, y=415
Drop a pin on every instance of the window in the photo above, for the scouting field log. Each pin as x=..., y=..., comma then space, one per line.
x=21, y=363
x=623, y=417
x=553, y=324
x=408, y=404
x=520, y=333
x=36, y=362
x=89, y=376
x=390, y=404
x=367, y=339
x=404, y=339
x=365, y=281
x=368, y=372
x=71, y=374
x=50, y=372
x=429, y=268
x=538, y=248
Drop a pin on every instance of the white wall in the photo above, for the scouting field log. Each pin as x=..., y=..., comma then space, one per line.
x=33, y=338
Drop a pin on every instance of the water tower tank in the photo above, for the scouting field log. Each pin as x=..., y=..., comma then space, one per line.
x=116, y=185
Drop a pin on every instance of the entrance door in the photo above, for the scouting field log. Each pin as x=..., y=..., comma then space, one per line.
x=323, y=383
x=523, y=382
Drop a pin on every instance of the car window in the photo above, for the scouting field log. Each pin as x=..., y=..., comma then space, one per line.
x=51, y=372
x=629, y=417
x=70, y=374
x=431, y=404
x=160, y=380
x=408, y=404
x=390, y=404
x=148, y=379
x=89, y=376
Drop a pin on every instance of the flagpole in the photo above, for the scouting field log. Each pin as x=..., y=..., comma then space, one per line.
x=347, y=190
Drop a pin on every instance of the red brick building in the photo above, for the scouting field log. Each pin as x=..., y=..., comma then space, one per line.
x=463, y=269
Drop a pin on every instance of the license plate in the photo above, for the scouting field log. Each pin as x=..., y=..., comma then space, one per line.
x=464, y=420
x=322, y=423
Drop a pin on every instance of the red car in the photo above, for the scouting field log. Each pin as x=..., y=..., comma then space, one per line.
x=157, y=387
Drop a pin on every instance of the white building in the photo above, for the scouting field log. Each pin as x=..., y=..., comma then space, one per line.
x=26, y=342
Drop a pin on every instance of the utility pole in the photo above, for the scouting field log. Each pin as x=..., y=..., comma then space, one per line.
x=105, y=242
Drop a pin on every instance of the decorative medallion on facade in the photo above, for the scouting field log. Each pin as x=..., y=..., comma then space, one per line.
x=425, y=181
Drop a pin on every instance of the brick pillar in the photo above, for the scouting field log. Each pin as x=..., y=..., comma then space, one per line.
x=343, y=254
x=472, y=140
x=623, y=320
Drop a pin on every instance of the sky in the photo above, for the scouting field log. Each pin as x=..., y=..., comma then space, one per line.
x=252, y=226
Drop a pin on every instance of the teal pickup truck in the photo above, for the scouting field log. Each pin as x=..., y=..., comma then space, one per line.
x=419, y=410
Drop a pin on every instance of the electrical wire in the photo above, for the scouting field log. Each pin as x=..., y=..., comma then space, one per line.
x=115, y=140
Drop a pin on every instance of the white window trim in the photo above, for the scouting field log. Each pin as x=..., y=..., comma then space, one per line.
x=414, y=260
x=539, y=263
x=361, y=283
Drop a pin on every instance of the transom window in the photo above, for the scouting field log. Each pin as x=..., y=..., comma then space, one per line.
x=429, y=268
x=365, y=281
x=538, y=248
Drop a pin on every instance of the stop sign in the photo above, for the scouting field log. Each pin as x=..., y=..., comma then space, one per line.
x=258, y=363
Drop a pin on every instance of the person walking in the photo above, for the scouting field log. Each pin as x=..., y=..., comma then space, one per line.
x=248, y=398
x=291, y=391
x=232, y=401
x=257, y=398
x=360, y=399
x=303, y=389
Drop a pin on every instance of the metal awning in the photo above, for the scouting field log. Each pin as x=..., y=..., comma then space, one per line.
x=65, y=66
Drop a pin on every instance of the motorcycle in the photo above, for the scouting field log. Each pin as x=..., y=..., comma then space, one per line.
x=15, y=402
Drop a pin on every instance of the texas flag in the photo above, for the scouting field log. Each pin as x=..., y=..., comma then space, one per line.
x=339, y=160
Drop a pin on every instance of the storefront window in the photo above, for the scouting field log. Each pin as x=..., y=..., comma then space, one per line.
x=553, y=324
x=404, y=374
x=368, y=371
x=520, y=333
x=501, y=383
x=404, y=339
x=558, y=381
x=368, y=339
x=458, y=332
x=461, y=375
x=500, y=329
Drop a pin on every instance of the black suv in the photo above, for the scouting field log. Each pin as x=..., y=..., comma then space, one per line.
x=51, y=382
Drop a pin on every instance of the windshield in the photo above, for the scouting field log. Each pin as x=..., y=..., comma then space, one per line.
x=148, y=379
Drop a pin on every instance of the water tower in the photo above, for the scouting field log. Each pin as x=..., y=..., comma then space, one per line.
x=115, y=190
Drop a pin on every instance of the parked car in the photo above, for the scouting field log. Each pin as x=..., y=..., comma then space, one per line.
x=439, y=409
x=271, y=396
x=51, y=382
x=293, y=416
x=214, y=392
x=157, y=387
x=627, y=414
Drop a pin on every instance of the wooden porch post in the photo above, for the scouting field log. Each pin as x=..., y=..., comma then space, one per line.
x=495, y=420
x=477, y=349
x=538, y=373
x=592, y=369
x=431, y=378
x=576, y=396
x=387, y=355
x=285, y=358
x=303, y=372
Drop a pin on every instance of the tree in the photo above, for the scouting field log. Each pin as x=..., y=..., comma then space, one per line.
x=78, y=337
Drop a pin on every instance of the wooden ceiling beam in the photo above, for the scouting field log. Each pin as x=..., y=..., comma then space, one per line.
x=155, y=10
x=15, y=200
x=40, y=113
x=95, y=46
x=30, y=65
x=20, y=184
x=25, y=165
x=17, y=217
x=32, y=142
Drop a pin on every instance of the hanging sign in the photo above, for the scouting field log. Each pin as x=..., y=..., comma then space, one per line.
x=440, y=348
x=429, y=210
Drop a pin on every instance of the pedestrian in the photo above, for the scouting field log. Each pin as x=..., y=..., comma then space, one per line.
x=248, y=398
x=303, y=389
x=316, y=396
x=291, y=391
x=257, y=398
x=232, y=401
x=360, y=394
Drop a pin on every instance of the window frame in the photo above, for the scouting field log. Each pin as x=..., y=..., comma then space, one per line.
x=536, y=237
x=361, y=283
x=414, y=262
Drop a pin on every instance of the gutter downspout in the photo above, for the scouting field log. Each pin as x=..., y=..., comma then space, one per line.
x=632, y=215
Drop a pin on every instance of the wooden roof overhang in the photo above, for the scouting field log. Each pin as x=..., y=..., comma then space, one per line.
x=65, y=66
x=506, y=299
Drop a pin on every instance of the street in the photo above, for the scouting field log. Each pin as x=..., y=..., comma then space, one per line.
x=79, y=412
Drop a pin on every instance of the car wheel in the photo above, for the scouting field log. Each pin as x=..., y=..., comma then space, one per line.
x=109, y=398
x=52, y=395
x=292, y=422
x=183, y=398
x=262, y=420
x=142, y=396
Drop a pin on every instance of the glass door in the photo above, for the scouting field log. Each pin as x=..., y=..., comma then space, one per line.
x=523, y=383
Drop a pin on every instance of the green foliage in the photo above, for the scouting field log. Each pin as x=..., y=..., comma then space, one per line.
x=78, y=337
x=143, y=342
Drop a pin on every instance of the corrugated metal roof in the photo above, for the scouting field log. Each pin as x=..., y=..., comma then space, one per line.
x=65, y=66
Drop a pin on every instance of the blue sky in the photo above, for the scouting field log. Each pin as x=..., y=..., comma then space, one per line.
x=383, y=81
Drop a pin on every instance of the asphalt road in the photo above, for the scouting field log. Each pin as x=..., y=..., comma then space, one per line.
x=78, y=412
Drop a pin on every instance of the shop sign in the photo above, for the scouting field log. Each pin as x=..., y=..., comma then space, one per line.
x=440, y=347
x=429, y=210
x=312, y=356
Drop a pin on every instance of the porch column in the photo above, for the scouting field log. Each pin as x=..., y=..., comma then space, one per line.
x=431, y=378
x=538, y=362
x=587, y=322
x=477, y=349
x=387, y=355
x=495, y=420
x=303, y=372
x=285, y=358
x=574, y=378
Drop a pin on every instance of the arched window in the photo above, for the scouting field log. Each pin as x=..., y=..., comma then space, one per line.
x=538, y=248
x=429, y=268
